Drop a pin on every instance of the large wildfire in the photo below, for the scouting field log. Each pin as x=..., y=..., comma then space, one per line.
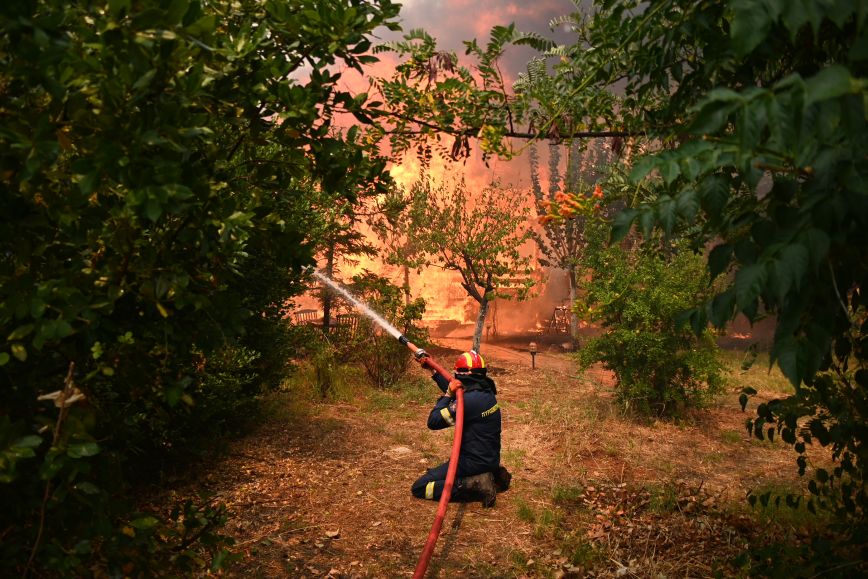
x=449, y=310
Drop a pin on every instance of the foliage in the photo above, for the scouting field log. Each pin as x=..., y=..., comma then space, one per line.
x=479, y=239
x=758, y=111
x=385, y=359
x=155, y=220
x=771, y=168
x=761, y=108
x=637, y=296
x=327, y=376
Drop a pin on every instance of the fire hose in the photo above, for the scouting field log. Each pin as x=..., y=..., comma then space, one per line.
x=426, y=361
x=429, y=362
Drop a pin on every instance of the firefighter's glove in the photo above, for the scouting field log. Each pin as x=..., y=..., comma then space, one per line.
x=453, y=386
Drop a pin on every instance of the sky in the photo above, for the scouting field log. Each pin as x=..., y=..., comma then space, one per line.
x=452, y=22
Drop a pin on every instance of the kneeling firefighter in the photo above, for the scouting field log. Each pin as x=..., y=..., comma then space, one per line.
x=479, y=475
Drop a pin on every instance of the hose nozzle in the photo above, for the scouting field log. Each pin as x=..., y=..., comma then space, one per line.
x=419, y=353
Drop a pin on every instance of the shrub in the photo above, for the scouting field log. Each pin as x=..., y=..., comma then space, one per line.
x=637, y=295
x=385, y=359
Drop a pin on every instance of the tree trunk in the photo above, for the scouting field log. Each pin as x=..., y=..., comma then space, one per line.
x=406, y=286
x=327, y=297
x=574, y=318
x=480, y=323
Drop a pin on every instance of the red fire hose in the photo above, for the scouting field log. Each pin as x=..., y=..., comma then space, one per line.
x=427, y=361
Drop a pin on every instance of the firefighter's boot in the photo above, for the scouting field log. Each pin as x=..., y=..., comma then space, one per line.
x=502, y=479
x=482, y=485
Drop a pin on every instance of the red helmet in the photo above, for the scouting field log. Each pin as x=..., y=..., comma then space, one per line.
x=469, y=361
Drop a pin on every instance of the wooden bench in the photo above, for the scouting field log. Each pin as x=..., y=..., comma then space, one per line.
x=306, y=317
x=345, y=325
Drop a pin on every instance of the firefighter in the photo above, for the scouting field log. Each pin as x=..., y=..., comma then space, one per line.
x=480, y=475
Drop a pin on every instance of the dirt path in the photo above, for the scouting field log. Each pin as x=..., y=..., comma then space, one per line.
x=323, y=490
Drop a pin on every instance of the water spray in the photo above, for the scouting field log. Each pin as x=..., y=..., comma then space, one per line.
x=427, y=362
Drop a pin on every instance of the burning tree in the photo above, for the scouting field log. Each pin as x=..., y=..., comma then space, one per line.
x=480, y=240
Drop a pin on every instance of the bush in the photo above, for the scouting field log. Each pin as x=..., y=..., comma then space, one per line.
x=154, y=215
x=637, y=295
x=385, y=359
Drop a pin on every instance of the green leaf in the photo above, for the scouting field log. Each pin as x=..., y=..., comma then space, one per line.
x=786, y=353
x=719, y=259
x=721, y=308
x=20, y=332
x=750, y=25
x=4, y=358
x=622, y=223
x=29, y=441
x=116, y=7
x=87, y=488
x=714, y=195
x=82, y=449
x=19, y=351
x=173, y=395
x=800, y=12
x=829, y=83
x=794, y=261
x=144, y=523
x=177, y=10
x=145, y=79
x=670, y=170
x=666, y=213
x=817, y=241
x=642, y=167
x=749, y=283
x=202, y=27
x=710, y=118
x=859, y=49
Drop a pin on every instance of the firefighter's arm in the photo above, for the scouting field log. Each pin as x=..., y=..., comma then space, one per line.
x=441, y=382
x=443, y=414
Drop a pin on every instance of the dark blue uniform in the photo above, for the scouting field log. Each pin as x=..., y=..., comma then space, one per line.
x=480, y=442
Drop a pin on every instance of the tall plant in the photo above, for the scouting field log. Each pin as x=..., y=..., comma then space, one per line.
x=562, y=241
x=144, y=179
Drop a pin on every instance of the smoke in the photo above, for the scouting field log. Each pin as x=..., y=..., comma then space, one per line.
x=452, y=22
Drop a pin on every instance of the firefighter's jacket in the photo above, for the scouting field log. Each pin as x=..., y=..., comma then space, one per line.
x=480, y=442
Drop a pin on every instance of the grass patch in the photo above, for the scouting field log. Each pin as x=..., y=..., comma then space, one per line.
x=568, y=495
x=525, y=512
x=580, y=552
x=756, y=374
x=323, y=381
x=732, y=436
x=513, y=458
x=404, y=399
x=663, y=498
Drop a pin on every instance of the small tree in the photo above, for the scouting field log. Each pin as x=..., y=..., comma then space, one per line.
x=384, y=358
x=481, y=242
x=638, y=295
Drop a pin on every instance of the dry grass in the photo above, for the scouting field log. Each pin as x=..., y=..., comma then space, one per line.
x=322, y=489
